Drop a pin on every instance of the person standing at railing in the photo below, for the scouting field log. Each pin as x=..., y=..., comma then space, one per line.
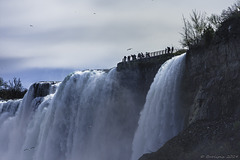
x=139, y=56
x=134, y=57
x=147, y=55
x=168, y=49
x=129, y=58
x=124, y=59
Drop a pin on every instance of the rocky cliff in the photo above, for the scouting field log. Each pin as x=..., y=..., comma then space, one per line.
x=138, y=74
x=211, y=91
x=213, y=78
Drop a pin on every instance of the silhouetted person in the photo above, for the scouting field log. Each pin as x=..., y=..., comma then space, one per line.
x=139, y=56
x=147, y=55
x=168, y=49
x=172, y=49
x=124, y=59
x=133, y=57
x=129, y=58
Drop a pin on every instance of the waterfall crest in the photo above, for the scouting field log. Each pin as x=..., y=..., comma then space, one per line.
x=162, y=116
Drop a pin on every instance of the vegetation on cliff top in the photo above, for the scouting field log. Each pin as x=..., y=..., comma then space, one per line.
x=202, y=29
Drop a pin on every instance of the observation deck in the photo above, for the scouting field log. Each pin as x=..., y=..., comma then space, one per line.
x=149, y=60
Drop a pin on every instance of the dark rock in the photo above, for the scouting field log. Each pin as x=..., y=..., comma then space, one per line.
x=44, y=88
x=187, y=146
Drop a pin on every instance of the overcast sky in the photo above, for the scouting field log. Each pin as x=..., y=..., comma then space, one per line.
x=59, y=36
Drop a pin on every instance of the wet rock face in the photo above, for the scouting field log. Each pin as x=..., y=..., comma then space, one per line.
x=213, y=81
x=213, y=75
x=145, y=69
x=42, y=89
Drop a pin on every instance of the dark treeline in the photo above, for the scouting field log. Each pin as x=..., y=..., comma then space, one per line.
x=11, y=89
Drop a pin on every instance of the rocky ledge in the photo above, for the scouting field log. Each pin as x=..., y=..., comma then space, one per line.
x=204, y=139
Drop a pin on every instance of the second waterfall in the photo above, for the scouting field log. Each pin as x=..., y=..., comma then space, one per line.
x=163, y=114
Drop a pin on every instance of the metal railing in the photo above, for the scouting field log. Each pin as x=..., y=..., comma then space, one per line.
x=147, y=55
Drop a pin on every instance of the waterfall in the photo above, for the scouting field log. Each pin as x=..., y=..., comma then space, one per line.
x=88, y=116
x=162, y=116
x=19, y=124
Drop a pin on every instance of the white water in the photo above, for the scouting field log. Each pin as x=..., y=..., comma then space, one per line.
x=90, y=117
x=162, y=116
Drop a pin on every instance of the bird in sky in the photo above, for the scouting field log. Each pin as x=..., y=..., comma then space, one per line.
x=31, y=25
x=129, y=49
x=28, y=149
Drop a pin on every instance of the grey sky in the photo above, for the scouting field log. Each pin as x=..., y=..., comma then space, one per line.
x=80, y=34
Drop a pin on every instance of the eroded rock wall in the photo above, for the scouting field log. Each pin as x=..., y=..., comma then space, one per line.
x=213, y=78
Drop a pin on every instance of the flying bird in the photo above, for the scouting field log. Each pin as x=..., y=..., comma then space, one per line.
x=31, y=25
x=129, y=49
x=28, y=149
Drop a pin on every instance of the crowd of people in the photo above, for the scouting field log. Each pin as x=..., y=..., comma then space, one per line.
x=147, y=54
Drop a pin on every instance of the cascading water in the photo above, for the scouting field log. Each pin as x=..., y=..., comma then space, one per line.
x=162, y=116
x=17, y=122
x=89, y=117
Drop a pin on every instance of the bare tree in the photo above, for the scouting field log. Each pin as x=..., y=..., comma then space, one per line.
x=16, y=84
x=186, y=41
x=3, y=84
x=215, y=21
x=194, y=29
x=231, y=11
